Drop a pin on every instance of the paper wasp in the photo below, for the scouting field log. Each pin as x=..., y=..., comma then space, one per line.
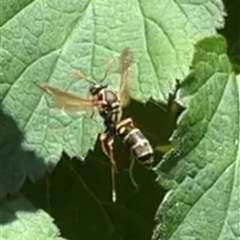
x=135, y=140
x=109, y=105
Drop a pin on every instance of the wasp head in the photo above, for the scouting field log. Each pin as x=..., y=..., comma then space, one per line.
x=96, y=88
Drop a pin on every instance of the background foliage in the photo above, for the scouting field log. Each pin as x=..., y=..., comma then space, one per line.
x=44, y=41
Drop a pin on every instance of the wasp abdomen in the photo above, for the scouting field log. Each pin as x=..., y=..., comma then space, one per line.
x=136, y=141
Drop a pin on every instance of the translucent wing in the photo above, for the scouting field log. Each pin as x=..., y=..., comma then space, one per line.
x=125, y=63
x=77, y=74
x=68, y=101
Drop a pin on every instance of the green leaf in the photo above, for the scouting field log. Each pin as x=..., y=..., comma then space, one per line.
x=45, y=40
x=202, y=171
x=20, y=220
x=16, y=163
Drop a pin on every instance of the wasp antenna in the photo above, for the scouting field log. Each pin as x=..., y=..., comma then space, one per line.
x=109, y=66
x=77, y=74
x=91, y=81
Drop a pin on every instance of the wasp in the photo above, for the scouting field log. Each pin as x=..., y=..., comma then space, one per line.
x=109, y=105
x=135, y=140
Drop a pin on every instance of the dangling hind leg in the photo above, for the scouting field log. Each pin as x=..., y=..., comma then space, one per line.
x=131, y=171
x=107, y=148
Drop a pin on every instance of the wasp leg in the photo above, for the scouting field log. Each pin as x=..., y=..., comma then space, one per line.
x=107, y=148
x=131, y=171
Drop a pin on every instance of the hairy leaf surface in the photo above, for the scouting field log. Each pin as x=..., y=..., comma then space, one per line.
x=43, y=41
x=20, y=220
x=202, y=171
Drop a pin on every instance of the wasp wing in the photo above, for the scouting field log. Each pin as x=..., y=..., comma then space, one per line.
x=125, y=63
x=77, y=74
x=66, y=100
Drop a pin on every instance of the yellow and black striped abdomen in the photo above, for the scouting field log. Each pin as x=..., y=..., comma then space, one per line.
x=135, y=140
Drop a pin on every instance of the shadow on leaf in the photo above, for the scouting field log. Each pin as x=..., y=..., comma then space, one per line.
x=17, y=164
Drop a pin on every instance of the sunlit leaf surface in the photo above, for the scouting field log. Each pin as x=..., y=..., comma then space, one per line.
x=203, y=170
x=44, y=41
x=20, y=220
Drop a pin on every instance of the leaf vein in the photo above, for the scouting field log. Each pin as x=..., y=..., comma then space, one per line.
x=19, y=12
